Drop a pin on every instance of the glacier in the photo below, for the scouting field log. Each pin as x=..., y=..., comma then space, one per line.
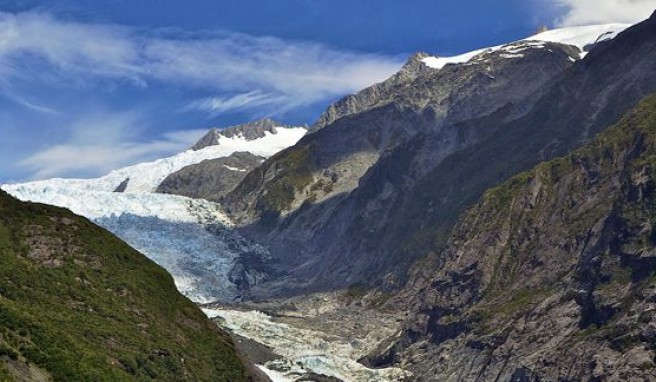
x=178, y=233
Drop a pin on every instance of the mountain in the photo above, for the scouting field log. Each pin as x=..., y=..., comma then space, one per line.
x=333, y=160
x=548, y=268
x=212, y=178
x=549, y=276
x=427, y=157
x=145, y=177
x=191, y=238
x=248, y=131
x=78, y=304
x=583, y=38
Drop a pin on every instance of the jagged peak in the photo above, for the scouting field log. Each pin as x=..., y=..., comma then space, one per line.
x=249, y=131
x=416, y=56
x=412, y=68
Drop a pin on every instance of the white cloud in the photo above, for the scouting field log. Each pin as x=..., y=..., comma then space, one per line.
x=266, y=103
x=56, y=69
x=260, y=70
x=588, y=12
x=71, y=48
x=101, y=142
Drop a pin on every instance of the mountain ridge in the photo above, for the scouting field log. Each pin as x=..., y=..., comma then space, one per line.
x=249, y=131
x=302, y=210
x=555, y=266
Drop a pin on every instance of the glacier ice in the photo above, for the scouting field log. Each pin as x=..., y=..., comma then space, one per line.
x=303, y=350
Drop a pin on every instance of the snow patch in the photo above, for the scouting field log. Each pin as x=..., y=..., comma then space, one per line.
x=234, y=168
x=511, y=55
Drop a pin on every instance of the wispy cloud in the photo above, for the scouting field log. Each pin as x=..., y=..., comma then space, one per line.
x=587, y=12
x=260, y=70
x=31, y=106
x=101, y=142
x=265, y=103
x=53, y=70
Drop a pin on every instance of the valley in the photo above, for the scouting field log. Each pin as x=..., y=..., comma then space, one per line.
x=487, y=216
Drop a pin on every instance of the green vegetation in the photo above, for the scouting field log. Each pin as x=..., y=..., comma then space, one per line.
x=79, y=303
x=507, y=306
x=612, y=176
x=294, y=173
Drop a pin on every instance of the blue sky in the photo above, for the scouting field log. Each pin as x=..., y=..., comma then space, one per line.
x=88, y=86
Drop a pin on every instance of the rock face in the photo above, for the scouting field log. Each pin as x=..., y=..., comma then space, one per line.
x=78, y=304
x=123, y=186
x=391, y=181
x=378, y=94
x=250, y=131
x=210, y=179
x=550, y=276
x=332, y=160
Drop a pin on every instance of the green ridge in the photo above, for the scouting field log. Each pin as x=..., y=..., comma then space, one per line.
x=81, y=305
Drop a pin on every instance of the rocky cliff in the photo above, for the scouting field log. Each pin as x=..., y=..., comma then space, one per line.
x=210, y=179
x=550, y=276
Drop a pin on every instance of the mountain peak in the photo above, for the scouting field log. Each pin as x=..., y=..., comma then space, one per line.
x=249, y=131
x=413, y=67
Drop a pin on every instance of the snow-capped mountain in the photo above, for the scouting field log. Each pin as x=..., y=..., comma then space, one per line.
x=582, y=37
x=145, y=177
x=169, y=229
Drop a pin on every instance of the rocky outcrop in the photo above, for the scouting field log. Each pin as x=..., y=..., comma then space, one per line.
x=422, y=172
x=123, y=186
x=550, y=276
x=377, y=94
x=249, y=131
x=210, y=179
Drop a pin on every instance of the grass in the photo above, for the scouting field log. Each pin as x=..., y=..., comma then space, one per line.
x=81, y=304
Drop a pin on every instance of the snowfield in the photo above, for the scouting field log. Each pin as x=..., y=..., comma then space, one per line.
x=145, y=177
x=579, y=37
